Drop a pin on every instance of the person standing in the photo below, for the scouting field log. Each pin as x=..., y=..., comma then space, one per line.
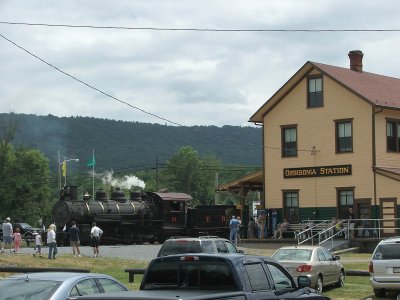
x=233, y=229
x=250, y=229
x=17, y=240
x=51, y=241
x=74, y=239
x=262, y=221
x=95, y=235
x=7, y=234
x=351, y=222
x=38, y=245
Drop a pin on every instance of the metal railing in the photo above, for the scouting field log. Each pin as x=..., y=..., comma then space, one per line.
x=324, y=230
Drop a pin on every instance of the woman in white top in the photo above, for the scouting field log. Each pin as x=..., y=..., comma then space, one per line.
x=51, y=241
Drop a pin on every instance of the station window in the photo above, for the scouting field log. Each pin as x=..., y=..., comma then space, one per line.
x=315, y=92
x=291, y=206
x=393, y=136
x=289, y=141
x=345, y=201
x=344, y=136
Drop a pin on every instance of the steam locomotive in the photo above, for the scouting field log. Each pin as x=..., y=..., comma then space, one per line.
x=144, y=217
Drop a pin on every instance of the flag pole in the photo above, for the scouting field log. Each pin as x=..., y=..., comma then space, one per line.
x=93, y=175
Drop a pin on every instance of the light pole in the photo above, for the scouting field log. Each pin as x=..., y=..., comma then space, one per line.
x=59, y=167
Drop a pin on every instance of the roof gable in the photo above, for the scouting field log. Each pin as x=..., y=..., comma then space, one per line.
x=378, y=90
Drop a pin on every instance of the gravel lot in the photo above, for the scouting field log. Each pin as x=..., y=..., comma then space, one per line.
x=148, y=252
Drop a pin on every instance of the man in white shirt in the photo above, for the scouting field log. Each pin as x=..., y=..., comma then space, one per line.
x=95, y=235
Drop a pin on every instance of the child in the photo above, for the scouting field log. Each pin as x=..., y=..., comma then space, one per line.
x=38, y=245
x=17, y=240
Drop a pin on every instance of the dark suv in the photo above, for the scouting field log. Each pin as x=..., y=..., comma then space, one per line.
x=201, y=244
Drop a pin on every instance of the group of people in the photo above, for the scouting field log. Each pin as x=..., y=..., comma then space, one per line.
x=10, y=236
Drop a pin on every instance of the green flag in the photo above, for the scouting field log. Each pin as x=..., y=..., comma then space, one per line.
x=91, y=162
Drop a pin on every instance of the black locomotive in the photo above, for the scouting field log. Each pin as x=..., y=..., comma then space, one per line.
x=144, y=217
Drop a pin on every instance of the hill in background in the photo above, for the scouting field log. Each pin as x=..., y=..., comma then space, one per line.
x=130, y=145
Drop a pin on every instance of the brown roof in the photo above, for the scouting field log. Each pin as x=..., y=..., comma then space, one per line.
x=171, y=196
x=378, y=90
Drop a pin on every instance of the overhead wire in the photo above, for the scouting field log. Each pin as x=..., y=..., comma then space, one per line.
x=197, y=29
x=130, y=105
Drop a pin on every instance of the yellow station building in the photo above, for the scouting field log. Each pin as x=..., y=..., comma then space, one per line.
x=331, y=139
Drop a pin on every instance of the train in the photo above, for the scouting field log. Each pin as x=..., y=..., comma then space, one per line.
x=143, y=217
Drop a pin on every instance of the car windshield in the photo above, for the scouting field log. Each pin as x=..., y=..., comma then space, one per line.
x=387, y=251
x=25, y=225
x=27, y=289
x=293, y=254
x=180, y=246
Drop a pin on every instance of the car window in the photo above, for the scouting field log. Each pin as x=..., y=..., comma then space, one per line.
x=328, y=254
x=180, y=246
x=387, y=251
x=27, y=289
x=281, y=280
x=292, y=254
x=207, y=246
x=320, y=255
x=221, y=247
x=201, y=275
x=231, y=247
x=258, y=279
x=109, y=285
x=87, y=287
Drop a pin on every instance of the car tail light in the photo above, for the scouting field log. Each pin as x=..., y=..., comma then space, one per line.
x=189, y=258
x=304, y=268
x=371, y=267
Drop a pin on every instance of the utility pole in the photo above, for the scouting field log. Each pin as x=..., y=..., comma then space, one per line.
x=216, y=200
x=157, y=182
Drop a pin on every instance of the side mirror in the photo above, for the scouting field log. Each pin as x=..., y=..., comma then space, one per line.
x=241, y=251
x=303, y=281
x=337, y=257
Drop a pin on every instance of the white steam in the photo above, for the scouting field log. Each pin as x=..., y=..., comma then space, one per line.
x=127, y=182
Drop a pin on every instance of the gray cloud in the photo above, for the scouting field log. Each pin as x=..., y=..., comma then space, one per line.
x=193, y=78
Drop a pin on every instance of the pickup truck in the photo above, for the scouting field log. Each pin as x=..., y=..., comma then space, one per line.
x=216, y=276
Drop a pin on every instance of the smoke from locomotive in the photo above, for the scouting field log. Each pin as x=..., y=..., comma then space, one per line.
x=144, y=217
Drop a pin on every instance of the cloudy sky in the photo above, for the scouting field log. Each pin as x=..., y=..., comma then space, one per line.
x=186, y=77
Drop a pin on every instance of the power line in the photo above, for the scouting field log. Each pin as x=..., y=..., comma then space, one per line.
x=197, y=29
x=132, y=106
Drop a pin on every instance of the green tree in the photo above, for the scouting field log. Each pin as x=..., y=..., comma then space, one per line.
x=190, y=173
x=24, y=175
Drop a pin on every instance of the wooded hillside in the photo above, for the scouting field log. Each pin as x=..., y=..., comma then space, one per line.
x=130, y=145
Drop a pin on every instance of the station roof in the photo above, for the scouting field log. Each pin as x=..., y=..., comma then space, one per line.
x=253, y=181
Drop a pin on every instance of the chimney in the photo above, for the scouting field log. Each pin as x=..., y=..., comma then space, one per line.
x=356, y=57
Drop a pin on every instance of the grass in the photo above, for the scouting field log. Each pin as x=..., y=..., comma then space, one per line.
x=356, y=287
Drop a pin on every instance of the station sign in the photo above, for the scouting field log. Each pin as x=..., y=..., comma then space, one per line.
x=338, y=170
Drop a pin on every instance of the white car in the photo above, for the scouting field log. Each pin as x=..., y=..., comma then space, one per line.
x=384, y=267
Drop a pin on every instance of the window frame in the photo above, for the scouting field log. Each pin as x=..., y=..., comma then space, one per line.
x=286, y=151
x=337, y=143
x=343, y=209
x=395, y=137
x=291, y=216
x=320, y=101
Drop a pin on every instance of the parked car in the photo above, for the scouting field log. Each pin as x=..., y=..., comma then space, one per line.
x=27, y=231
x=384, y=267
x=57, y=285
x=316, y=262
x=217, y=276
x=201, y=244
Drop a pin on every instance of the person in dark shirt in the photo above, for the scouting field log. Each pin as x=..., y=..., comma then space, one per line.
x=74, y=239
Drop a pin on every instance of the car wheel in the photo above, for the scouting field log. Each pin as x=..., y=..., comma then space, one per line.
x=319, y=284
x=340, y=282
x=380, y=292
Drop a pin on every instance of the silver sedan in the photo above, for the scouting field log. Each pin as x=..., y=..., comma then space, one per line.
x=57, y=285
x=316, y=262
